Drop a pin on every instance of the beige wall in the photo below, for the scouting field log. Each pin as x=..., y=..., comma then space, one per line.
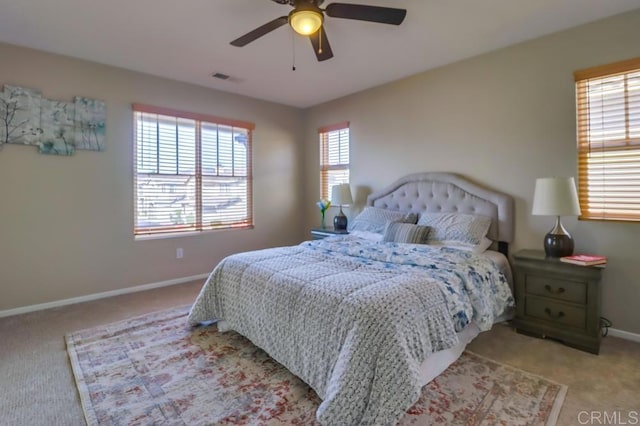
x=503, y=119
x=66, y=222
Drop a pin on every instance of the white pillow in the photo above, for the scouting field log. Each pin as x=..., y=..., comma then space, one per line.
x=373, y=219
x=464, y=228
x=483, y=246
x=475, y=249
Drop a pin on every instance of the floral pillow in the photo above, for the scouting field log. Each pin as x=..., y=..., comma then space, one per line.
x=398, y=232
x=464, y=228
x=374, y=219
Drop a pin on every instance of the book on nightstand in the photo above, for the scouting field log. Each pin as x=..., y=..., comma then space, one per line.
x=585, y=259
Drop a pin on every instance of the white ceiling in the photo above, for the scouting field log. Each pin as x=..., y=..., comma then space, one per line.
x=188, y=40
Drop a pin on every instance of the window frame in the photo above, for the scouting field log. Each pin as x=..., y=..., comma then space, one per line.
x=325, y=167
x=199, y=226
x=598, y=149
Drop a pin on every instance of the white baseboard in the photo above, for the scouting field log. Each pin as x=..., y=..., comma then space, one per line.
x=95, y=296
x=634, y=337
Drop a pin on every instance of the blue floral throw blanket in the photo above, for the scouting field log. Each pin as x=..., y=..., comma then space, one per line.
x=354, y=319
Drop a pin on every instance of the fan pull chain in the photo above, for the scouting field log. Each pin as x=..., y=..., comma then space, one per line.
x=320, y=40
x=293, y=51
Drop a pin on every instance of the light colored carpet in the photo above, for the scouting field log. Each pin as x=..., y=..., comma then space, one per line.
x=37, y=385
x=155, y=369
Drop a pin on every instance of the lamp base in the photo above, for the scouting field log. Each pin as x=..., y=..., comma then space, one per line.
x=340, y=221
x=558, y=242
x=558, y=245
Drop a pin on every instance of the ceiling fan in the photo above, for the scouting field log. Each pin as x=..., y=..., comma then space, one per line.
x=306, y=19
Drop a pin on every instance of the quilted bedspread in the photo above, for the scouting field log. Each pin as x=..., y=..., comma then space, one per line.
x=353, y=319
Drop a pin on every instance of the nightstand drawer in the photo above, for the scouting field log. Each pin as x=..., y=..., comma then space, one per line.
x=559, y=313
x=571, y=291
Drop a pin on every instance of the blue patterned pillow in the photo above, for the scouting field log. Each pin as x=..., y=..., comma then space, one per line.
x=373, y=219
x=398, y=232
x=460, y=227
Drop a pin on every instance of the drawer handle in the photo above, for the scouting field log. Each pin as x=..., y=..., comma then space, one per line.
x=556, y=316
x=560, y=290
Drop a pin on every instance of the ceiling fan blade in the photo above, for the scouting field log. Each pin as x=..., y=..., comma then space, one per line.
x=321, y=49
x=260, y=31
x=361, y=12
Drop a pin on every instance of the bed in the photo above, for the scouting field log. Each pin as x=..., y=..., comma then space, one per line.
x=368, y=318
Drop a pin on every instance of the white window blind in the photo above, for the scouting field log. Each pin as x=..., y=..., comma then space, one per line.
x=191, y=172
x=334, y=157
x=608, y=120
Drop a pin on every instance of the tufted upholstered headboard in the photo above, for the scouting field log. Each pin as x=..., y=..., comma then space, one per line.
x=449, y=193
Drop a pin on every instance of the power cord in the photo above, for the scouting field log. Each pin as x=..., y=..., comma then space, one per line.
x=604, y=326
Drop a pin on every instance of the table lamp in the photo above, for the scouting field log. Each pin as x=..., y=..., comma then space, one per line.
x=556, y=197
x=340, y=196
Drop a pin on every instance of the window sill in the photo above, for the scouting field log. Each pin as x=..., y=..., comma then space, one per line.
x=146, y=237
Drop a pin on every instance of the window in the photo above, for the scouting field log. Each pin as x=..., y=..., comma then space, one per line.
x=334, y=157
x=191, y=172
x=608, y=108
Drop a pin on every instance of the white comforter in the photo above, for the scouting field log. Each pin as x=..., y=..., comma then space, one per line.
x=353, y=319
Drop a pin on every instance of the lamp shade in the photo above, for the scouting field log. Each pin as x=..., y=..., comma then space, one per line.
x=555, y=197
x=341, y=195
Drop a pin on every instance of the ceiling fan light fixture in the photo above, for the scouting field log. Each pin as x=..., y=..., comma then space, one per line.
x=306, y=21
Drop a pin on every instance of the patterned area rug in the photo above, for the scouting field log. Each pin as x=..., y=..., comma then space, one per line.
x=155, y=369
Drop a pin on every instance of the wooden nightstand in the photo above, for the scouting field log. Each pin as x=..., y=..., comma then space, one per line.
x=320, y=233
x=557, y=300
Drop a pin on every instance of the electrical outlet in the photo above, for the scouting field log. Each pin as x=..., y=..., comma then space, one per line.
x=179, y=253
